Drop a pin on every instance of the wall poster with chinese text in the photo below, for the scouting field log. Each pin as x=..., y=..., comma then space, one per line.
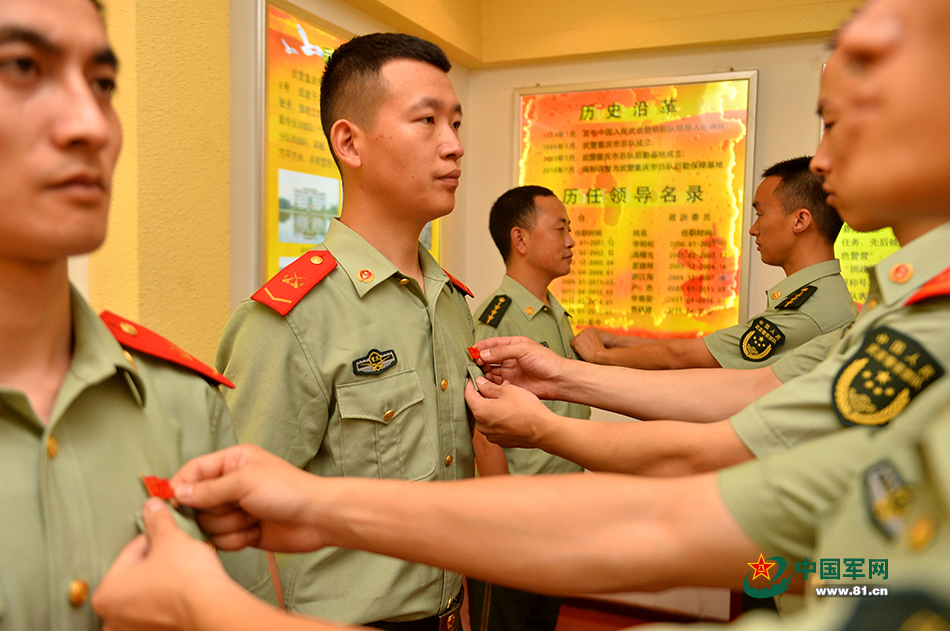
x=655, y=176
x=302, y=188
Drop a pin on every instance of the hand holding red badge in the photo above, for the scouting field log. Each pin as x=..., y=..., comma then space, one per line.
x=474, y=353
x=158, y=487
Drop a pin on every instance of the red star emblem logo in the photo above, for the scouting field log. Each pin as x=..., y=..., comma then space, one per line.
x=761, y=568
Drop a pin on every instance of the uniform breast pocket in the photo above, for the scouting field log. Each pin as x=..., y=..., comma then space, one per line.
x=384, y=429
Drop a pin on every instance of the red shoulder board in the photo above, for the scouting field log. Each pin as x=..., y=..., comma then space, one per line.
x=459, y=284
x=937, y=286
x=137, y=337
x=282, y=292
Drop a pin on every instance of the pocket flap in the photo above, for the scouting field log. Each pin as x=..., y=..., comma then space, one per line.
x=379, y=399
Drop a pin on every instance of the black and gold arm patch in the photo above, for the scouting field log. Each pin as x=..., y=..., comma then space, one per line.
x=888, y=498
x=375, y=363
x=761, y=340
x=882, y=378
x=495, y=311
x=799, y=298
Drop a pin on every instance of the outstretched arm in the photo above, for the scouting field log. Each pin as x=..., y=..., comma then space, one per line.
x=698, y=395
x=553, y=534
x=513, y=417
x=655, y=355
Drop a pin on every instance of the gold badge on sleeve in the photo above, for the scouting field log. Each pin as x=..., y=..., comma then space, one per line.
x=882, y=378
x=761, y=340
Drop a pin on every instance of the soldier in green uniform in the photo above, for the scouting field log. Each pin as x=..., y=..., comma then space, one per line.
x=88, y=405
x=795, y=229
x=530, y=226
x=352, y=360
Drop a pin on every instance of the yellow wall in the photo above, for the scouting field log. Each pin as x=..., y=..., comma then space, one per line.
x=483, y=33
x=166, y=260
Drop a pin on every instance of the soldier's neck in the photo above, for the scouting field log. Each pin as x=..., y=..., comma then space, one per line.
x=532, y=279
x=35, y=331
x=394, y=238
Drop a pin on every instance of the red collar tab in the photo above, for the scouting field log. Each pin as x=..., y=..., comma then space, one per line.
x=936, y=287
x=459, y=284
x=282, y=292
x=137, y=337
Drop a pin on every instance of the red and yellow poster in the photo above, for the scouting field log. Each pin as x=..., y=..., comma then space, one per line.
x=654, y=179
x=302, y=190
x=302, y=187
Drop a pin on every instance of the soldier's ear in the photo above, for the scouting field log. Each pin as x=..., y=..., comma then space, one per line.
x=345, y=137
x=518, y=240
x=802, y=219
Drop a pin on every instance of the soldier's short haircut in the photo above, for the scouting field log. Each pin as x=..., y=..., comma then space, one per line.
x=514, y=208
x=800, y=188
x=352, y=87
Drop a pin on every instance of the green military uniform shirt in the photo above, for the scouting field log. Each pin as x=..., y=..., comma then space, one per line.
x=802, y=360
x=550, y=325
x=860, y=494
x=363, y=378
x=809, y=303
x=813, y=404
x=72, y=494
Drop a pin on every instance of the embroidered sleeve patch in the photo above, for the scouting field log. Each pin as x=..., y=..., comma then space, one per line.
x=495, y=310
x=799, y=298
x=882, y=378
x=888, y=498
x=375, y=363
x=761, y=340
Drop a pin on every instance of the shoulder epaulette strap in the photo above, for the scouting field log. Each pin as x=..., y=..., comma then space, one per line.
x=147, y=342
x=799, y=298
x=461, y=286
x=495, y=310
x=282, y=292
x=936, y=287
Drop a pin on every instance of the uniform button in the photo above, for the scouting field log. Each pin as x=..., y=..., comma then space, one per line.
x=52, y=446
x=448, y=460
x=130, y=359
x=78, y=592
x=901, y=272
x=128, y=329
x=365, y=276
x=871, y=304
x=776, y=295
x=316, y=260
x=404, y=281
x=921, y=533
x=444, y=385
x=529, y=310
x=389, y=415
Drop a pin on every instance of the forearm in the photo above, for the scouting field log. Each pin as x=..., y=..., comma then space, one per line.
x=554, y=534
x=662, y=448
x=490, y=459
x=629, y=341
x=660, y=355
x=699, y=395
